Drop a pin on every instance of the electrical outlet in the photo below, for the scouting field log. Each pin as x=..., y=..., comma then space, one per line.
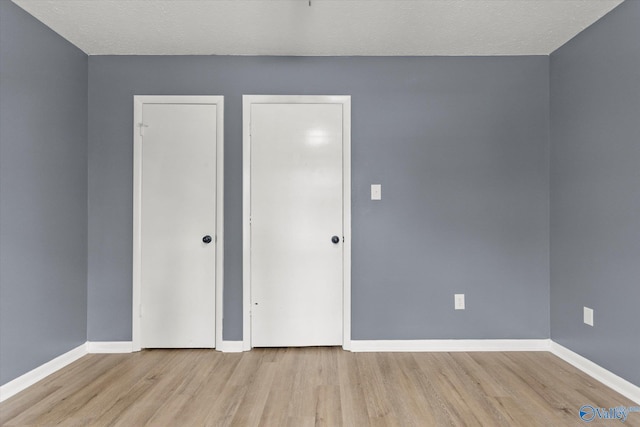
x=588, y=316
x=458, y=301
x=376, y=192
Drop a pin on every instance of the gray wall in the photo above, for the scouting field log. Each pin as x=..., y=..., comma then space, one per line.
x=595, y=192
x=460, y=146
x=43, y=194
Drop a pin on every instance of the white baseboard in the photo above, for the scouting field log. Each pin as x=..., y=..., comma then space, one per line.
x=450, y=345
x=109, y=346
x=231, y=347
x=22, y=382
x=599, y=373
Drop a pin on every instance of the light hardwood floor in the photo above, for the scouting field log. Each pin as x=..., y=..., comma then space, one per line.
x=312, y=386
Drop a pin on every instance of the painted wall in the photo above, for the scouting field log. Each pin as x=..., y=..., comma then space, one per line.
x=595, y=192
x=460, y=146
x=43, y=194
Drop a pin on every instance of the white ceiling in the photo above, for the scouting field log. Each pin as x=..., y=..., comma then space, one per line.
x=327, y=27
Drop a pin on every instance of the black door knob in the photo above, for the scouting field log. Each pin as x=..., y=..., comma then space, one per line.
x=335, y=239
x=206, y=239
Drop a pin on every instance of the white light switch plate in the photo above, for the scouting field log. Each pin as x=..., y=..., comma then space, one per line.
x=376, y=192
x=588, y=316
x=458, y=301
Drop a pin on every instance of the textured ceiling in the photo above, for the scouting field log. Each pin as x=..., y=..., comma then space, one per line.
x=327, y=27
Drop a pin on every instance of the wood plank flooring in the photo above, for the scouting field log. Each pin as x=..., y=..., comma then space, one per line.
x=312, y=386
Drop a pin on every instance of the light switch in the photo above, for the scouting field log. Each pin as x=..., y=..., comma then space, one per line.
x=376, y=192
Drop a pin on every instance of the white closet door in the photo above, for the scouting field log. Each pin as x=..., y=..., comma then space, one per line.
x=178, y=212
x=296, y=224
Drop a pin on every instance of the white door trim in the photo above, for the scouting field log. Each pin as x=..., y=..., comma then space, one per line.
x=138, y=101
x=247, y=100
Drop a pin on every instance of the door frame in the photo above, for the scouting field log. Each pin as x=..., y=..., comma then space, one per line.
x=345, y=102
x=138, y=129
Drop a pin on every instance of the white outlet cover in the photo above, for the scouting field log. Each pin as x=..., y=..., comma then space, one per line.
x=376, y=192
x=458, y=301
x=588, y=316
